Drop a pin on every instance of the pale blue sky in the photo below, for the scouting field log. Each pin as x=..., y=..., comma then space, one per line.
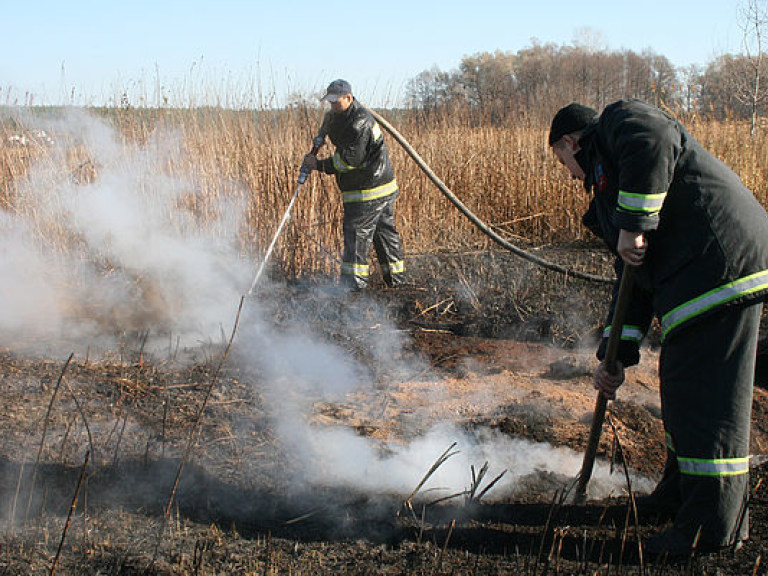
x=88, y=52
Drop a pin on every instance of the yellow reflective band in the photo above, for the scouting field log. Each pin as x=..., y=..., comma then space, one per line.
x=370, y=194
x=713, y=298
x=713, y=467
x=340, y=165
x=396, y=267
x=630, y=333
x=353, y=269
x=647, y=204
x=668, y=440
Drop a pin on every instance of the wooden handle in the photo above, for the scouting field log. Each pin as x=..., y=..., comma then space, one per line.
x=610, y=361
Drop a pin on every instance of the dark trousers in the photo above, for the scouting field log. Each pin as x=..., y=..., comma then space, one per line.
x=366, y=223
x=707, y=373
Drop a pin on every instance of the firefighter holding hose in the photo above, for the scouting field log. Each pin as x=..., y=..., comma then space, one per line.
x=365, y=176
x=698, y=241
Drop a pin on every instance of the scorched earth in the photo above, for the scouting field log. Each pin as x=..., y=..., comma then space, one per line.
x=427, y=430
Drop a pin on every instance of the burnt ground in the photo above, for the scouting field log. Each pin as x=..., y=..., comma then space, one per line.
x=140, y=463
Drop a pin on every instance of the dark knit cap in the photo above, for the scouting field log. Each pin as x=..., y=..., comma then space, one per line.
x=572, y=118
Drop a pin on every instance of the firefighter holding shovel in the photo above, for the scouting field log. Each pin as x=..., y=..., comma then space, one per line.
x=368, y=187
x=697, y=241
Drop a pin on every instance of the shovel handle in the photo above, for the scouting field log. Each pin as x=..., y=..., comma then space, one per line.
x=610, y=361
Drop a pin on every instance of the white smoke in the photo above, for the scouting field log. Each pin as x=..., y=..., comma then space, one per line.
x=84, y=261
x=29, y=301
x=300, y=372
x=338, y=457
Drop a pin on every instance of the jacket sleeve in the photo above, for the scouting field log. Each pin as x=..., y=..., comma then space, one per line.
x=644, y=145
x=636, y=324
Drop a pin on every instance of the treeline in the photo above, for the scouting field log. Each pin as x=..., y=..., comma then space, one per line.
x=533, y=82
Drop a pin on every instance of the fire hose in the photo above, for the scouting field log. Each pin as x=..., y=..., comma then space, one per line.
x=318, y=142
x=475, y=220
x=622, y=303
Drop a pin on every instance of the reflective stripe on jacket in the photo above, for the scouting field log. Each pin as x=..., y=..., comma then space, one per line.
x=741, y=288
x=707, y=234
x=361, y=163
x=371, y=194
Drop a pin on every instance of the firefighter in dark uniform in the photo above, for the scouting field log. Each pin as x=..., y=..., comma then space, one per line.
x=368, y=187
x=699, y=241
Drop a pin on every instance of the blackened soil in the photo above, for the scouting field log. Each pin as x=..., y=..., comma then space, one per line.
x=172, y=489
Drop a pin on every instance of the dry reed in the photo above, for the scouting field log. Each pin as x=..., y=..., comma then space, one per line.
x=504, y=173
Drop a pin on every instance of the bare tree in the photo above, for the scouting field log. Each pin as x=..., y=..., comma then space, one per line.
x=751, y=92
x=489, y=77
x=690, y=89
x=538, y=79
x=430, y=89
x=720, y=87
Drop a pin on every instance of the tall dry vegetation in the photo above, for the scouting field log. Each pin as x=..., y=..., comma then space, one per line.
x=504, y=173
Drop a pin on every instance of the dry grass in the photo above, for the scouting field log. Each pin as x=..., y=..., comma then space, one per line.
x=505, y=174
x=747, y=156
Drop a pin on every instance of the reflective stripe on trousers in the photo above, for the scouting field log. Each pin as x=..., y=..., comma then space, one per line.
x=707, y=373
x=366, y=223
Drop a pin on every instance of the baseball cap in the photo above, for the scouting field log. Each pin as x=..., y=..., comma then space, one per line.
x=336, y=89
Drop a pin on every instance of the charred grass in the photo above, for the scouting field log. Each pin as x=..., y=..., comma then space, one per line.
x=135, y=414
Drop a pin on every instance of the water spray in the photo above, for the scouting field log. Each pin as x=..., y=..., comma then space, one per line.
x=317, y=143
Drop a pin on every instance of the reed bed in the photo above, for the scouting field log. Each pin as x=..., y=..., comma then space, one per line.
x=504, y=172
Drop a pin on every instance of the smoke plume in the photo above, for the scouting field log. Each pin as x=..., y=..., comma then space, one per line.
x=113, y=247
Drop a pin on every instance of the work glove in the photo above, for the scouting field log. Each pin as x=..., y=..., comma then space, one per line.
x=309, y=163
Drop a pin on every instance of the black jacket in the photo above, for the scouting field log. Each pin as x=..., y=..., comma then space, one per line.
x=707, y=234
x=361, y=161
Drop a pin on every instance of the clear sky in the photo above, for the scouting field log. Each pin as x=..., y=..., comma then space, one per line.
x=88, y=51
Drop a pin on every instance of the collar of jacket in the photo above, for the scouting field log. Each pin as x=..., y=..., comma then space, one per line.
x=585, y=157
